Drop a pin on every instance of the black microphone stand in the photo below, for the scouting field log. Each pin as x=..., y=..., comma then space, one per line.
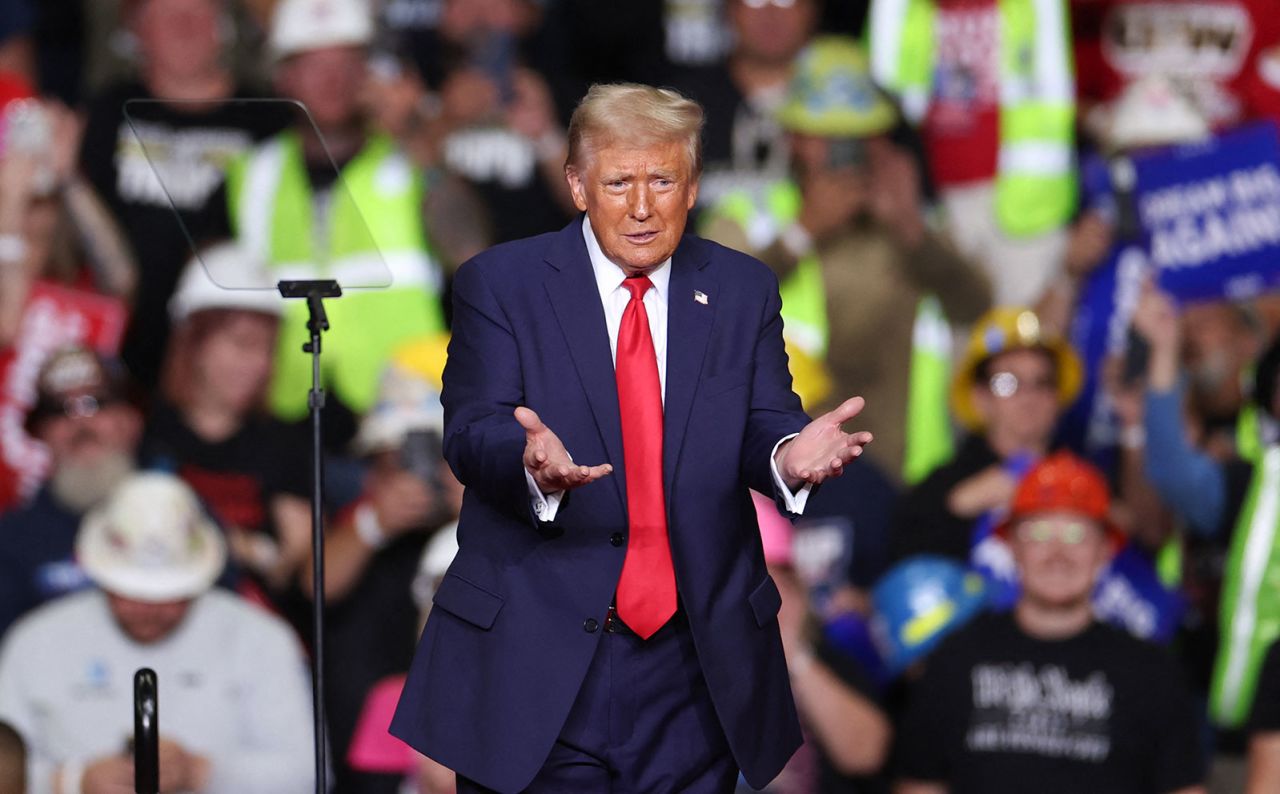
x=314, y=292
x=146, y=732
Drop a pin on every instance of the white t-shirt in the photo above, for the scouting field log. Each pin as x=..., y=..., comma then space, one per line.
x=233, y=687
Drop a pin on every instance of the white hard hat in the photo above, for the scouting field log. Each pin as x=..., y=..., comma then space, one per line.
x=151, y=541
x=241, y=284
x=301, y=25
x=1152, y=111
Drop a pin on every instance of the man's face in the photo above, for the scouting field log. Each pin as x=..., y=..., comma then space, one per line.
x=88, y=430
x=638, y=200
x=771, y=30
x=180, y=36
x=1059, y=556
x=328, y=81
x=145, y=622
x=234, y=363
x=1019, y=399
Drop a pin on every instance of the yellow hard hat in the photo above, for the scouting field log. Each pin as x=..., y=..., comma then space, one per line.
x=998, y=331
x=810, y=379
x=831, y=93
x=408, y=395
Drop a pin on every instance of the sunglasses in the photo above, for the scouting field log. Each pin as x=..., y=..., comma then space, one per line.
x=80, y=406
x=1005, y=384
x=1069, y=533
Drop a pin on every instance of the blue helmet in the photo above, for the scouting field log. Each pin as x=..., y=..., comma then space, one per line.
x=917, y=603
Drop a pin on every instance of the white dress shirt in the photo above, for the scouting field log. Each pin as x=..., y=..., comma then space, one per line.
x=614, y=297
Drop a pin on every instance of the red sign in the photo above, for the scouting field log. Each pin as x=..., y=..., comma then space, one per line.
x=54, y=317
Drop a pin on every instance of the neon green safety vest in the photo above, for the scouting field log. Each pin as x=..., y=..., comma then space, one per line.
x=804, y=317
x=1035, y=180
x=374, y=225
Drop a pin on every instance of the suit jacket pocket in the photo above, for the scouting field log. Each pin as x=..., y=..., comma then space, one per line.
x=765, y=601
x=468, y=601
x=725, y=381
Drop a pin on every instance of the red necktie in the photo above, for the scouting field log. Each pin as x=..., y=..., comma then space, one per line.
x=647, y=588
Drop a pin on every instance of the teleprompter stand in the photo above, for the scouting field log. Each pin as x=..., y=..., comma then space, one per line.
x=314, y=292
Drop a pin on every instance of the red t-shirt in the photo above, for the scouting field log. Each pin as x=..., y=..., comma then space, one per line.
x=1227, y=52
x=962, y=124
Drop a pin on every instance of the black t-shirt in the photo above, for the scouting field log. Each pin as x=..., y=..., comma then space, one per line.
x=238, y=477
x=922, y=522
x=850, y=673
x=743, y=146
x=999, y=711
x=191, y=151
x=371, y=634
x=1265, y=717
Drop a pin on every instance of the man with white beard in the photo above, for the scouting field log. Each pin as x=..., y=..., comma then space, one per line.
x=91, y=430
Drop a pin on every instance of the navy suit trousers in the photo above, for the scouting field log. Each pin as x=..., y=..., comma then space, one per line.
x=643, y=723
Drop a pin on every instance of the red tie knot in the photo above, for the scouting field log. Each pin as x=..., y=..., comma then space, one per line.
x=637, y=286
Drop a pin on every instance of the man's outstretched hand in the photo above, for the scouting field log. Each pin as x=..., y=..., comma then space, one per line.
x=547, y=459
x=822, y=449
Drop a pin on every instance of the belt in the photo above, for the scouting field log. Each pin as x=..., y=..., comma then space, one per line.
x=614, y=625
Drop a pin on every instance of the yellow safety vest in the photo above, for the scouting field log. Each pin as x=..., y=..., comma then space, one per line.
x=374, y=238
x=1035, y=180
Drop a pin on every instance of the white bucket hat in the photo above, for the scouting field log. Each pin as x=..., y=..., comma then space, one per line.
x=151, y=541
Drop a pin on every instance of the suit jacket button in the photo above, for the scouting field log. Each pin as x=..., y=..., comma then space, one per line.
x=590, y=625
x=616, y=538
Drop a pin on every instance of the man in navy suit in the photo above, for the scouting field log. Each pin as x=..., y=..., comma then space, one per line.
x=612, y=391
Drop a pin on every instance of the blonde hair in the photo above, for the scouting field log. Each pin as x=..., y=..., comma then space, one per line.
x=634, y=114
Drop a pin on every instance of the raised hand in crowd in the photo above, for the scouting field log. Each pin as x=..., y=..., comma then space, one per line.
x=1087, y=244
x=1156, y=320
x=833, y=198
x=401, y=501
x=895, y=191
x=38, y=181
x=989, y=489
x=396, y=502
x=397, y=102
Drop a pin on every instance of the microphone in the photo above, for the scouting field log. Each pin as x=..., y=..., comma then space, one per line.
x=146, y=732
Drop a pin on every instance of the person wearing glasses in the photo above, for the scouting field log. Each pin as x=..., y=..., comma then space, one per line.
x=1010, y=387
x=1046, y=694
x=91, y=431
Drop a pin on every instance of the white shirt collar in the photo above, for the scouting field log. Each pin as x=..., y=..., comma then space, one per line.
x=609, y=277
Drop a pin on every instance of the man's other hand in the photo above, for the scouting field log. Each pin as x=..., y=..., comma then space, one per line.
x=823, y=448
x=547, y=459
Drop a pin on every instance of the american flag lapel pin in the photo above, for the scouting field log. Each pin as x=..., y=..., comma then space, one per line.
x=700, y=296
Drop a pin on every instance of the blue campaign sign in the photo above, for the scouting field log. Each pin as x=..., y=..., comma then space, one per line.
x=1208, y=220
x=1211, y=214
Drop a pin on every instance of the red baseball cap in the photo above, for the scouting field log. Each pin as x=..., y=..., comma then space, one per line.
x=1064, y=482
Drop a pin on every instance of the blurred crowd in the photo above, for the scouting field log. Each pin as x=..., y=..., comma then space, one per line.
x=1000, y=595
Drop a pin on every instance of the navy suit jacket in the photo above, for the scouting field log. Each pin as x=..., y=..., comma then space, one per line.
x=512, y=630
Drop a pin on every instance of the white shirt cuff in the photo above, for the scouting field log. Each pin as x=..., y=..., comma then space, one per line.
x=794, y=502
x=545, y=505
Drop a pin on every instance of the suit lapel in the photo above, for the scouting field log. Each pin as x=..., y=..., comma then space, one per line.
x=689, y=320
x=571, y=288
